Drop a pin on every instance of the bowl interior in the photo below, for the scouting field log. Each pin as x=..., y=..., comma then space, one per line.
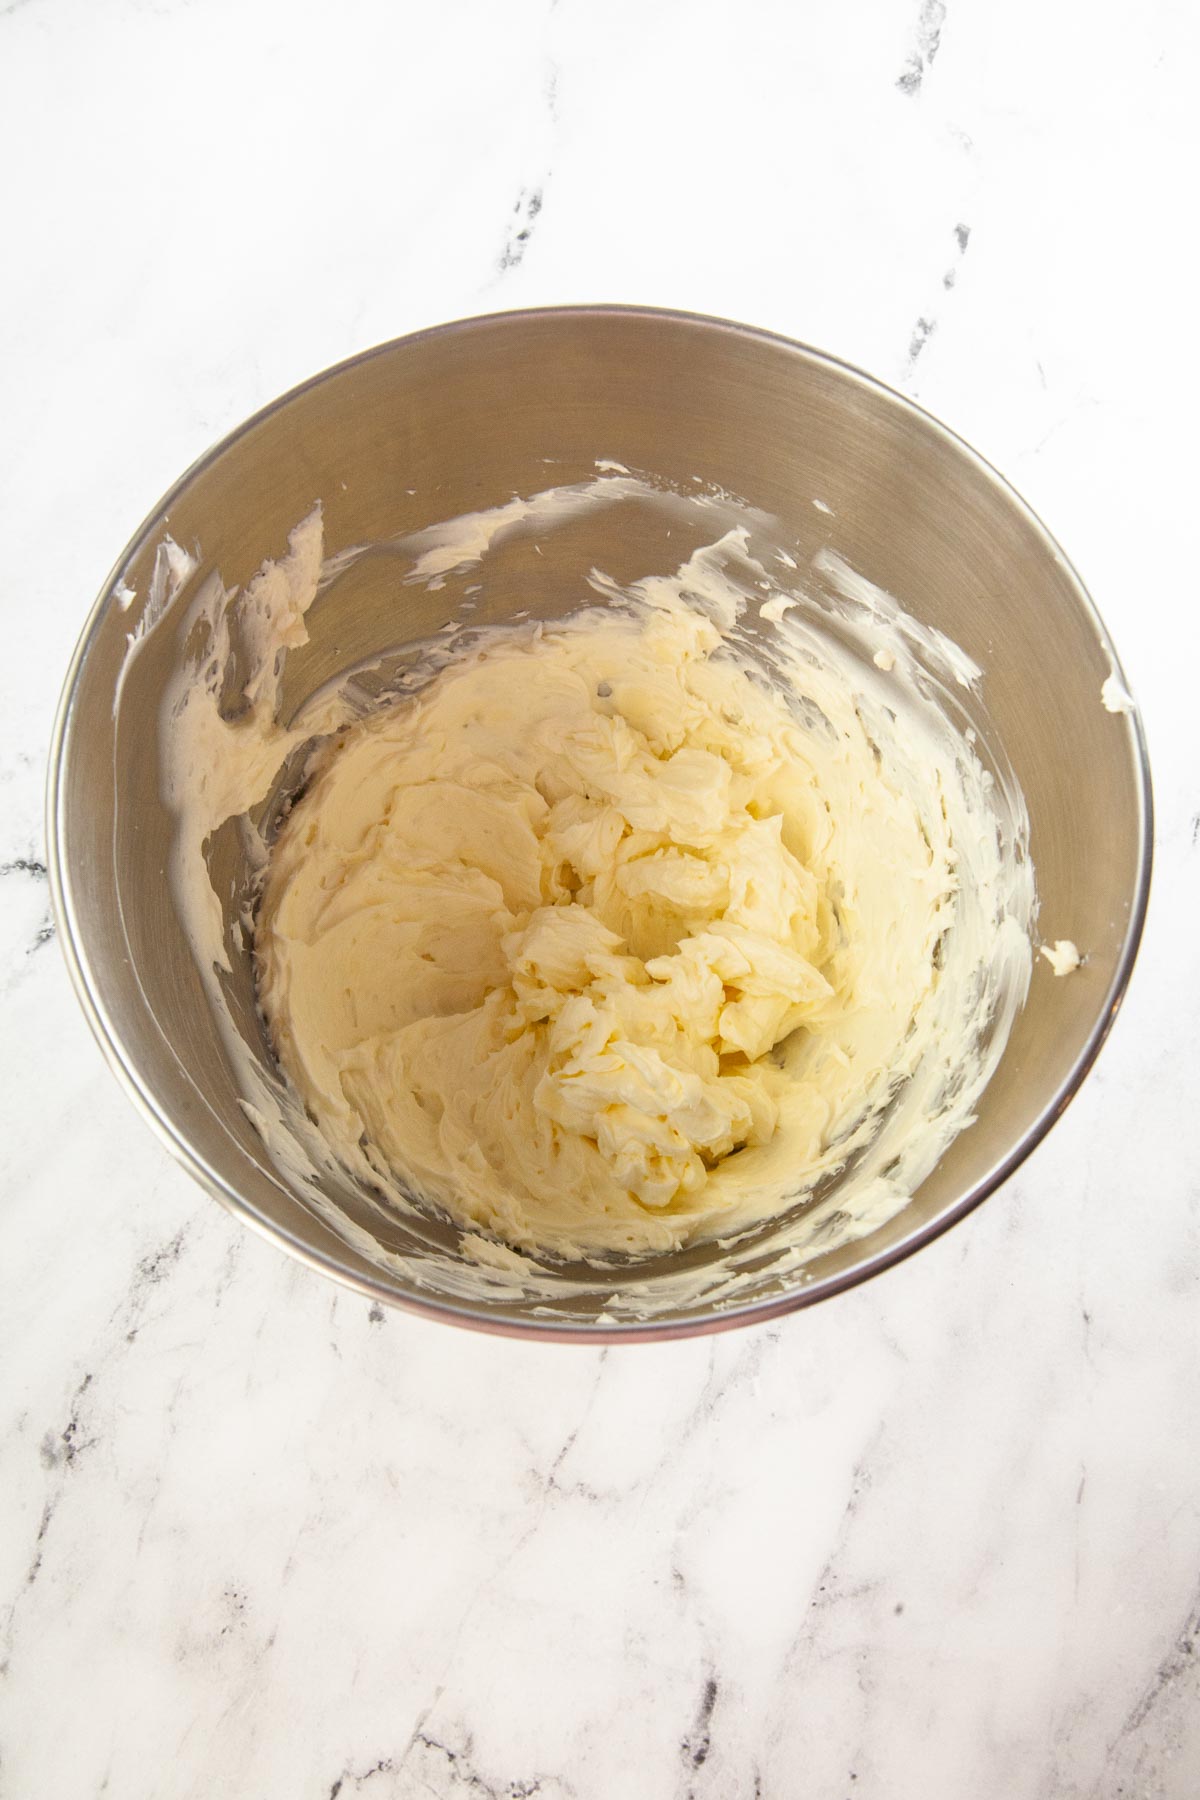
x=462, y=419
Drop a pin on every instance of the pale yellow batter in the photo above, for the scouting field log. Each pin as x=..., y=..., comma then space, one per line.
x=601, y=942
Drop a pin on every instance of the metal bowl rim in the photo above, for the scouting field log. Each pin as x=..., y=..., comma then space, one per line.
x=697, y=1321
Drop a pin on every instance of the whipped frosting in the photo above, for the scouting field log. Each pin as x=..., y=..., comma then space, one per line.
x=612, y=933
x=599, y=944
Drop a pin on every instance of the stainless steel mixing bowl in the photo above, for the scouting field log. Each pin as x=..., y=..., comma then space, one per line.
x=464, y=417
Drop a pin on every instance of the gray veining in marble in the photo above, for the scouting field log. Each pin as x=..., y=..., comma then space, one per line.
x=938, y=1539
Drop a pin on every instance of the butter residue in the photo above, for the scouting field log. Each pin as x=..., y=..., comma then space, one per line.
x=908, y=913
x=173, y=570
x=1062, y=955
x=220, y=761
x=456, y=544
x=1114, y=695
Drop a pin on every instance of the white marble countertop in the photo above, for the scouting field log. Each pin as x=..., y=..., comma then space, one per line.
x=937, y=1539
